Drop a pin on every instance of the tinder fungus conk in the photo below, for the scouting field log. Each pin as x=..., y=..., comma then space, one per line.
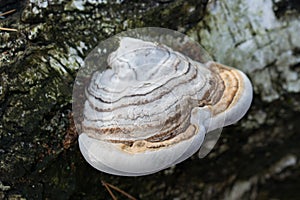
x=152, y=107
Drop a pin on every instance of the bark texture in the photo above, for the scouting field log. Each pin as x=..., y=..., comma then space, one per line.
x=258, y=158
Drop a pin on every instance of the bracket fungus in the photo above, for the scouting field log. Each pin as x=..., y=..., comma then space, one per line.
x=152, y=107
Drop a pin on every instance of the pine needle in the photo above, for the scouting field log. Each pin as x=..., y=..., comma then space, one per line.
x=7, y=29
x=6, y=13
x=107, y=186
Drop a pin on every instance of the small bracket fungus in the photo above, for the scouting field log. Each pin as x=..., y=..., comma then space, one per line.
x=152, y=107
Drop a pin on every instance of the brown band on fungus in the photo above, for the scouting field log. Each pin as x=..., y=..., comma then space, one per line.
x=216, y=88
x=143, y=145
x=233, y=87
x=175, y=127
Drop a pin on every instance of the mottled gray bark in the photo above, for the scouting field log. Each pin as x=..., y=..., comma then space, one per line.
x=258, y=158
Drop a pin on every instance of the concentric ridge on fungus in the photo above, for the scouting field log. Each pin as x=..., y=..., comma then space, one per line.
x=153, y=106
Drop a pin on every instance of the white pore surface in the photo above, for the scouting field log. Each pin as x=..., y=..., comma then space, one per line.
x=109, y=158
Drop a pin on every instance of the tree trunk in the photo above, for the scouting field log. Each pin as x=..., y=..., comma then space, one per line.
x=258, y=158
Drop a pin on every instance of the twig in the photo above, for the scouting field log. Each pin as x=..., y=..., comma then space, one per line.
x=7, y=12
x=107, y=185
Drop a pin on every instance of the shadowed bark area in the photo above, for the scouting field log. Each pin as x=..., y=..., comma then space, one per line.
x=258, y=158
